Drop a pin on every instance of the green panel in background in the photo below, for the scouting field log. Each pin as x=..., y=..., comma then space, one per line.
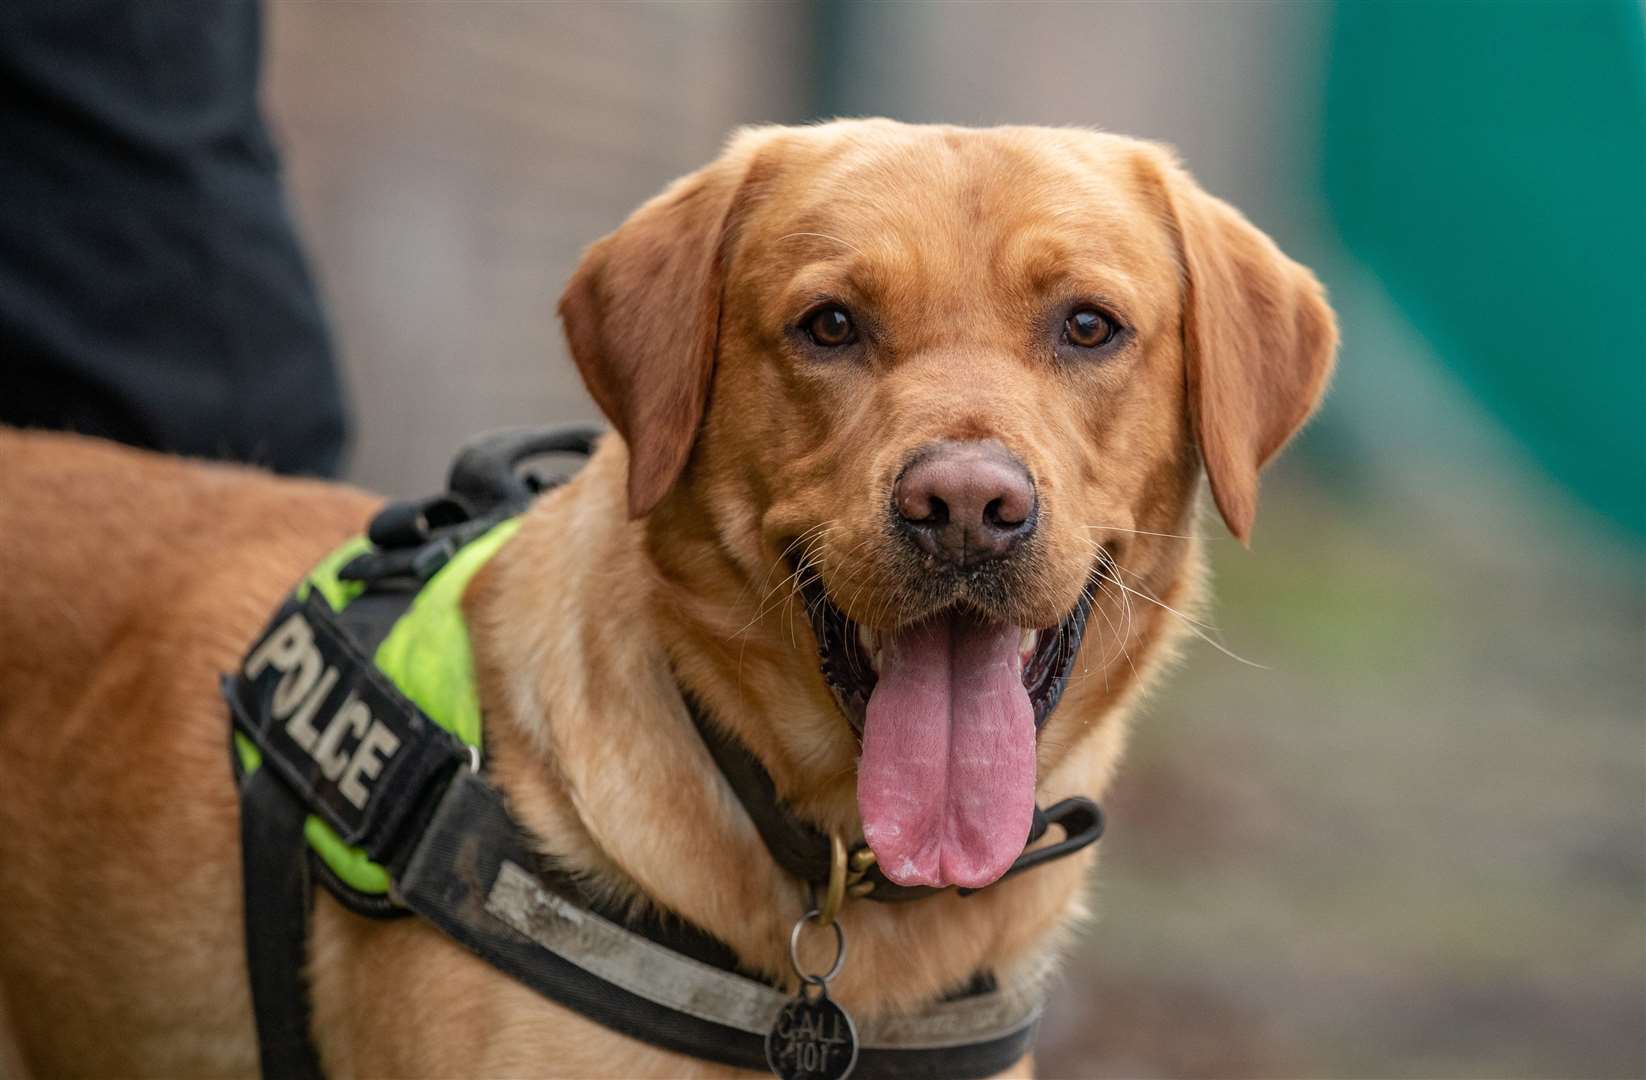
x=1488, y=162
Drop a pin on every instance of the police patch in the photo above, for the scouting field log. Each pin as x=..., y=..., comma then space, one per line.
x=335, y=728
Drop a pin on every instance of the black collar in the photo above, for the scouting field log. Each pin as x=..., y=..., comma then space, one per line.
x=805, y=851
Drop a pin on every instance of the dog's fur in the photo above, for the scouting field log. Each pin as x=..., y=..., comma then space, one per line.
x=130, y=581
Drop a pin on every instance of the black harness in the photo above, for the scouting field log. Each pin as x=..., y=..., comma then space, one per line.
x=456, y=856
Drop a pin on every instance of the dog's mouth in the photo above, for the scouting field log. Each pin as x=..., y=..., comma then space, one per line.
x=850, y=654
x=948, y=709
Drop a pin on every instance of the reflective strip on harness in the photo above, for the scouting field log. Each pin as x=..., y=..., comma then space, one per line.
x=642, y=967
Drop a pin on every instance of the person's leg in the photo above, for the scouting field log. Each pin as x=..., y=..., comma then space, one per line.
x=152, y=288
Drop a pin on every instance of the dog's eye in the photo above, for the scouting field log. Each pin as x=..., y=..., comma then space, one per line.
x=1089, y=328
x=830, y=327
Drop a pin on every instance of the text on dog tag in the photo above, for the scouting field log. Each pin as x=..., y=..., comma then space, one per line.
x=813, y=1039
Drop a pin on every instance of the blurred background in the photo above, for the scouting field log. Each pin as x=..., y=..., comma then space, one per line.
x=1412, y=842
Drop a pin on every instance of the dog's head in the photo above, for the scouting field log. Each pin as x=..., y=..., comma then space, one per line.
x=951, y=380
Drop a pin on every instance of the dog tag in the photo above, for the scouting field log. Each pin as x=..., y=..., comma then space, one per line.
x=813, y=1039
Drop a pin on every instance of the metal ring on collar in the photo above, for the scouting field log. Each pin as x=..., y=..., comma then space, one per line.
x=839, y=950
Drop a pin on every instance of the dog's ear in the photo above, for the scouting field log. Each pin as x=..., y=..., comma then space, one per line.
x=642, y=314
x=1259, y=341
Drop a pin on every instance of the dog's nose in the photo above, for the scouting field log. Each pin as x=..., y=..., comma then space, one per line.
x=965, y=502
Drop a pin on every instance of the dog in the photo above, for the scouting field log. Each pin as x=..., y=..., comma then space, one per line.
x=965, y=383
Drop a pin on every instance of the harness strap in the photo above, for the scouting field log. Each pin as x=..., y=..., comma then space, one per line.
x=278, y=896
x=469, y=876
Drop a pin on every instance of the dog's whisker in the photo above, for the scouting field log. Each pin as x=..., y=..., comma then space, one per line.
x=768, y=603
x=1142, y=584
x=1125, y=632
x=1103, y=663
x=849, y=570
x=793, y=583
x=822, y=236
x=1104, y=557
x=787, y=548
x=767, y=592
x=1193, y=627
x=893, y=599
x=1102, y=612
x=762, y=609
x=1137, y=532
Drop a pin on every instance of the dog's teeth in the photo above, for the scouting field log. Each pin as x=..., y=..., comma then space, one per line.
x=1031, y=638
x=865, y=638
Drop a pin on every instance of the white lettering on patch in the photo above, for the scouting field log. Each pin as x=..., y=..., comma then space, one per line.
x=305, y=681
x=366, y=763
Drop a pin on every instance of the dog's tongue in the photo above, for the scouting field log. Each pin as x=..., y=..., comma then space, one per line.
x=946, y=782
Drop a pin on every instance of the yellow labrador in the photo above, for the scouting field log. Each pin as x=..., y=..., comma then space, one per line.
x=900, y=411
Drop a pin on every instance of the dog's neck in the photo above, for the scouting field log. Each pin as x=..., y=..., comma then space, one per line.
x=581, y=653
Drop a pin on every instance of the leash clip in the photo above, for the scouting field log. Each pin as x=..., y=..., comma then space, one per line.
x=846, y=874
x=862, y=861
